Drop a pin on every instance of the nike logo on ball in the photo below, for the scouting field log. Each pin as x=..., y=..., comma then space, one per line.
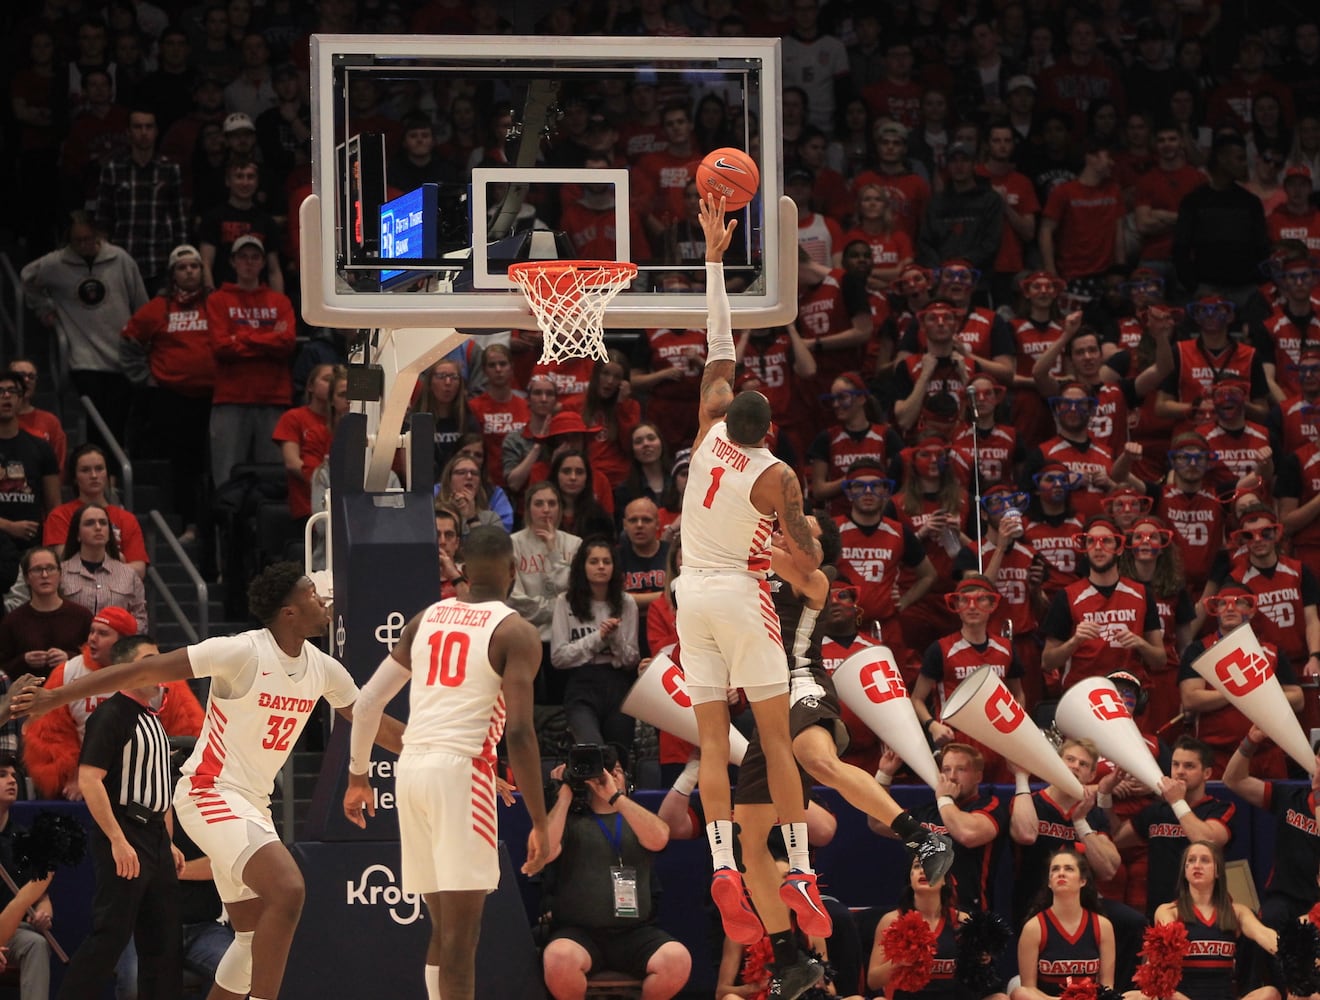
x=723, y=164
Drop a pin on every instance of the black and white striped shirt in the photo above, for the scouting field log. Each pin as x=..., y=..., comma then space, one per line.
x=126, y=740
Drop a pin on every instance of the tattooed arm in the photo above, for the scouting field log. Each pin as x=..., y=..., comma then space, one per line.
x=778, y=493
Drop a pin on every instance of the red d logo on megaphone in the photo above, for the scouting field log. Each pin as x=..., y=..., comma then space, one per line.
x=881, y=682
x=1003, y=712
x=1243, y=672
x=1106, y=705
x=672, y=680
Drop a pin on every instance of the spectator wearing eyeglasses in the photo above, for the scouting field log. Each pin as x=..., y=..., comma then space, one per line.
x=874, y=550
x=1286, y=591
x=982, y=337
x=993, y=444
x=1242, y=446
x=1292, y=329
x=43, y=632
x=1018, y=571
x=1104, y=621
x=858, y=433
x=1218, y=722
x=1187, y=502
x=38, y=422
x=1150, y=557
x=1099, y=469
x=953, y=657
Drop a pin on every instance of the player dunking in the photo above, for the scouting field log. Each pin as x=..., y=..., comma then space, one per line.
x=264, y=685
x=727, y=625
x=481, y=660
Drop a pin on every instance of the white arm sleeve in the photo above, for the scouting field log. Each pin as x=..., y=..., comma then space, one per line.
x=719, y=320
x=388, y=680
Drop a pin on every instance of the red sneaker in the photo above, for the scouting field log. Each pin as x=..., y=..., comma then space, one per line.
x=800, y=895
x=741, y=923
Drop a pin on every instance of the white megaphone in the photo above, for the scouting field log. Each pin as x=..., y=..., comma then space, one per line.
x=1238, y=669
x=1094, y=710
x=982, y=707
x=660, y=697
x=870, y=684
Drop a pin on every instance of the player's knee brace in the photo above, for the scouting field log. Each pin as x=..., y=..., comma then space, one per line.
x=234, y=973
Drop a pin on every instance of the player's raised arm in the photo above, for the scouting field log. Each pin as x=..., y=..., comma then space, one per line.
x=159, y=669
x=799, y=538
x=721, y=357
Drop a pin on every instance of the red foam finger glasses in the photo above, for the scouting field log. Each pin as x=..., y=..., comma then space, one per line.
x=1109, y=543
x=1216, y=606
x=962, y=600
x=1265, y=533
x=1159, y=538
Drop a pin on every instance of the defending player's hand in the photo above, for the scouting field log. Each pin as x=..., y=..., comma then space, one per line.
x=538, y=850
x=719, y=234
x=359, y=801
x=505, y=790
x=27, y=697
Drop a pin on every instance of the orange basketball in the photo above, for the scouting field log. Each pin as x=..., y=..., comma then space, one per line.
x=729, y=173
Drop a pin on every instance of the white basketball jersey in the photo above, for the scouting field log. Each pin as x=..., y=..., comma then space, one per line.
x=722, y=530
x=456, y=699
x=246, y=739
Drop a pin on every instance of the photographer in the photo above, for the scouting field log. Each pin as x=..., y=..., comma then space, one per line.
x=604, y=845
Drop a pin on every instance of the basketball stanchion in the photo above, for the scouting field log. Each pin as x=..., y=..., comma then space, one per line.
x=1093, y=710
x=659, y=697
x=1238, y=669
x=870, y=684
x=569, y=298
x=983, y=708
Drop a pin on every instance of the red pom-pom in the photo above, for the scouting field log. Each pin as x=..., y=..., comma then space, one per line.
x=1081, y=988
x=1163, y=948
x=910, y=944
x=1314, y=916
x=756, y=965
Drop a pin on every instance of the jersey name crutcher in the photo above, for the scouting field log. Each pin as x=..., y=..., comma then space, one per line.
x=455, y=699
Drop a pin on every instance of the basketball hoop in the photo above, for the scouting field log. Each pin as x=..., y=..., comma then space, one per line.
x=569, y=299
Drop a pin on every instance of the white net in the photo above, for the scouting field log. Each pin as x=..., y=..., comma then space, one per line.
x=569, y=299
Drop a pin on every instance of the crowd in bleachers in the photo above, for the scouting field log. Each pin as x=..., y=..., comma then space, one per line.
x=1059, y=269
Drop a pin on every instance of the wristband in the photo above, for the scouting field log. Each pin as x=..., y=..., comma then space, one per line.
x=1181, y=808
x=1104, y=800
x=944, y=800
x=1083, y=828
x=615, y=797
x=1248, y=747
x=884, y=779
x=927, y=724
x=1022, y=785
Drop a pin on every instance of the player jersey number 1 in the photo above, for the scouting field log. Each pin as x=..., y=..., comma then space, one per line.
x=715, y=475
x=449, y=653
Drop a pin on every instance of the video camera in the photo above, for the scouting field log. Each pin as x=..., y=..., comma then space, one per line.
x=585, y=761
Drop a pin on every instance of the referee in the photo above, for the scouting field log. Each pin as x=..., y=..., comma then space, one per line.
x=124, y=775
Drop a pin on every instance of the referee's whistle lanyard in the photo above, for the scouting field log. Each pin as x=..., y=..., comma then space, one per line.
x=615, y=839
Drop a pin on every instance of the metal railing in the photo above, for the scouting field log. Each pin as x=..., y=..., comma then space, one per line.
x=12, y=307
x=203, y=628
x=117, y=452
